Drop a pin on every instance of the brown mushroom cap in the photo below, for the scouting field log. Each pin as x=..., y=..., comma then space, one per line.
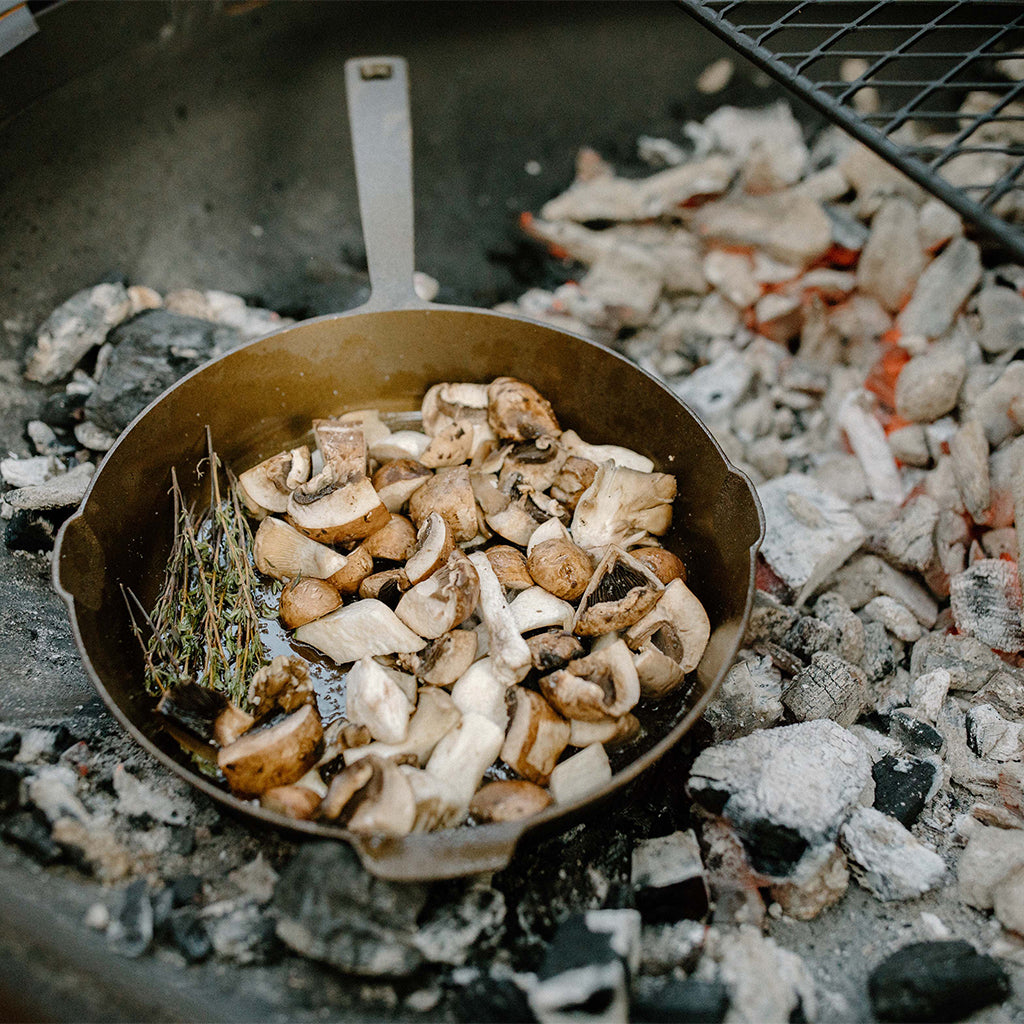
x=575, y=476
x=561, y=567
x=358, y=565
x=332, y=512
x=450, y=446
x=388, y=586
x=266, y=487
x=283, y=685
x=509, y=566
x=535, y=463
x=509, y=800
x=665, y=565
x=292, y=801
x=434, y=543
x=445, y=659
x=519, y=412
x=395, y=541
x=602, y=685
x=343, y=447
x=305, y=599
x=450, y=494
x=230, y=724
x=453, y=402
x=554, y=649
x=397, y=479
x=443, y=600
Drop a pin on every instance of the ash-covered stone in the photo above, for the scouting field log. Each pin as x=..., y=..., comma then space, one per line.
x=867, y=576
x=828, y=688
x=94, y=438
x=769, y=619
x=785, y=789
x=63, y=491
x=186, y=931
x=93, y=848
x=240, y=931
x=942, y=290
x=29, y=471
x=11, y=776
x=909, y=445
x=1008, y=900
x=832, y=609
x=457, y=928
x=1002, y=319
x=867, y=440
x=715, y=389
x=909, y=541
x=892, y=259
x=748, y=699
x=990, y=856
x=330, y=909
x=928, y=693
x=51, y=789
x=886, y=859
x=10, y=742
x=690, y=999
x=668, y=879
x=897, y=618
x=33, y=836
x=808, y=635
x=968, y=456
x=138, y=800
x=495, y=996
x=991, y=736
x=928, y=386
x=1000, y=406
x=917, y=735
x=903, y=785
x=130, y=931
x=666, y=947
x=935, y=981
x=986, y=603
x=971, y=664
x=879, y=659
x=823, y=882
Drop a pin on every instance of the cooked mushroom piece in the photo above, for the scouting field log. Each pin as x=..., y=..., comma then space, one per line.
x=509, y=800
x=358, y=565
x=448, y=403
x=341, y=735
x=621, y=506
x=573, y=480
x=193, y=707
x=280, y=551
x=364, y=629
x=434, y=543
x=400, y=444
x=557, y=563
x=479, y=691
x=611, y=732
x=678, y=626
x=449, y=493
x=274, y=755
x=293, y=801
x=518, y=411
x=461, y=758
x=620, y=592
x=343, y=787
x=385, y=805
x=515, y=522
x=598, y=453
x=450, y=446
x=388, y=586
x=373, y=699
x=580, y=774
x=305, y=599
x=333, y=510
x=507, y=649
x=395, y=541
x=443, y=660
x=265, y=488
x=538, y=608
x=434, y=808
x=342, y=447
x=509, y=566
x=665, y=565
x=230, y=724
x=536, y=737
x=397, y=479
x=282, y=685
x=657, y=672
x=435, y=716
x=535, y=463
x=602, y=685
x=441, y=601
x=374, y=429
x=554, y=649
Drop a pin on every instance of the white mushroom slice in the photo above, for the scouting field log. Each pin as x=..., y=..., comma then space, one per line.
x=275, y=755
x=518, y=411
x=441, y=601
x=535, y=464
x=444, y=660
x=434, y=544
x=344, y=786
x=678, y=625
x=331, y=512
x=365, y=629
x=479, y=691
x=537, y=608
x=509, y=800
x=581, y=774
x=306, y=598
x=342, y=447
x=514, y=522
x=461, y=758
x=339, y=736
x=602, y=685
x=510, y=567
x=612, y=732
x=553, y=529
x=312, y=780
x=621, y=505
x=358, y=566
x=397, y=480
x=490, y=463
x=489, y=496
x=450, y=493
x=598, y=453
x=619, y=593
x=657, y=672
x=373, y=699
x=434, y=808
x=575, y=477
x=448, y=403
x=536, y=737
x=507, y=648
x=450, y=446
x=375, y=430
x=281, y=551
x=400, y=444
x=435, y=716
x=395, y=541
x=265, y=488
x=405, y=681
x=386, y=805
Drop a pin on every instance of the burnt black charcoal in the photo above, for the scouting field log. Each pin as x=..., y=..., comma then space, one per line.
x=915, y=734
x=183, y=840
x=773, y=849
x=936, y=981
x=700, y=1002
x=33, y=837
x=683, y=900
x=186, y=931
x=902, y=785
x=34, y=530
x=492, y=999
x=63, y=411
x=576, y=945
x=10, y=742
x=808, y=635
x=10, y=785
x=131, y=927
x=879, y=661
x=185, y=890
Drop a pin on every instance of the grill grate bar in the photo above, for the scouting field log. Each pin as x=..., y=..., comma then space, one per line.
x=919, y=81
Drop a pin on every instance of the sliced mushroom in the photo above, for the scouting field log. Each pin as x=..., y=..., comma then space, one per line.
x=265, y=488
x=373, y=699
x=282, y=685
x=507, y=649
x=666, y=566
x=434, y=808
x=678, y=625
x=536, y=737
x=230, y=724
x=535, y=463
x=358, y=565
x=342, y=447
x=573, y=480
x=280, y=551
x=341, y=735
x=538, y=608
x=509, y=566
x=343, y=788
x=397, y=480
x=450, y=446
x=441, y=601
x=387, y=586
x=443, y=660
x=509, y=800
x=620, y=592
x=602, y=685
x=621, y=506
x=449, y=403
x=405, y=681
x=489, y=496
x=557, y=563
x=312, y=780
x=518, y=411
x=461, y=758
x=434, y=542
x=293, y=801
x=330, y=510
x=658, y=673
x=554, y=649
x=479, y=691
x=375, y=430
x=598, y=453
x=515, y=522
x=400, y=444
x=364, y=629
x=395, y=541
x=385, y=805
x=580, y=775
x=274, y=755
x=305, y=599
x=449, y=493
x=611, y=732
x=435, y=716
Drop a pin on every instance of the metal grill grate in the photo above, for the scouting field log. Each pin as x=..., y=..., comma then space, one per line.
x=935, y=88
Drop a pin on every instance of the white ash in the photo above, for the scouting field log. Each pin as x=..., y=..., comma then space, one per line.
x=30, y=471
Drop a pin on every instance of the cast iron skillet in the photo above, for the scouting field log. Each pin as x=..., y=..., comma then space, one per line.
x=258, y=399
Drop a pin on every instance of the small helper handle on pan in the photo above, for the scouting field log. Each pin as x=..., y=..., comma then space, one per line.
x=378, y=111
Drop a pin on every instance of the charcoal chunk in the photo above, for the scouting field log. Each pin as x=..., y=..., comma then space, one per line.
x=63, y=411
x=10, y=785
x=914, y=733
x=693, y=1000
x=34, y=530
x=187, y=932
x=130, y=931
x=10, y=742
x=936, y=981
x=902, y=785
x=33, y=837
x=492, y=999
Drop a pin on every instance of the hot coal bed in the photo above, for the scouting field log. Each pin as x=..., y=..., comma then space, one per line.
x=842, y=837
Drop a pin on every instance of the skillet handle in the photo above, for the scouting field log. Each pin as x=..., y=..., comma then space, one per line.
x=378, y=112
